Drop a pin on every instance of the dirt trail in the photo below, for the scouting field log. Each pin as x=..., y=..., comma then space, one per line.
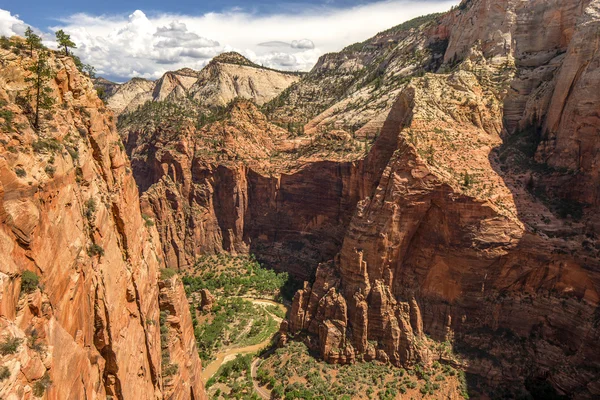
x=229, y=354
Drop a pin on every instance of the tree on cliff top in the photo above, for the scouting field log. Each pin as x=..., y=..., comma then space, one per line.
x=33, y=41
x=64, y=40
x=39, y=84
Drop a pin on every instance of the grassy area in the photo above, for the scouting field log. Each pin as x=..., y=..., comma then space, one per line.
x=292, y=373
x=226, y=275
x=233, y=380
x=233, y=321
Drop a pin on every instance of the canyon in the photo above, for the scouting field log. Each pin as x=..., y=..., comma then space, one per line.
x=436, y=189
x=460, y=202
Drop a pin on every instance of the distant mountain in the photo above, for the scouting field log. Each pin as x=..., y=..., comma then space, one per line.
x=226, y=77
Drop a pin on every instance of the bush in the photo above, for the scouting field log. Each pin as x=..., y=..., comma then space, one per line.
x=4, y=373
x=10, y=345
x=147, y=220
x=29, y=282
x=95, y=250
x=40, y=386
x=167, y=273
x=46, y=145
x=50, y=170
x=90, y=209
x=170, y=370
x=20, y=172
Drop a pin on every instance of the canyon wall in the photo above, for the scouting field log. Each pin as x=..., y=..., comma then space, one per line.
x=483, y=228
x=79, y=270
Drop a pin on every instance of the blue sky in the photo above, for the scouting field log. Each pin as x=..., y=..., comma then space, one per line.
x=123, y=39
x=43, y=13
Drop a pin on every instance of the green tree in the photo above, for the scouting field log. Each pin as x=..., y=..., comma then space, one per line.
x=39, y=84
x=33, y=41
x=64, y=40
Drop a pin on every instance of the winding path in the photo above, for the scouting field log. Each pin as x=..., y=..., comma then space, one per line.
x=230, y=354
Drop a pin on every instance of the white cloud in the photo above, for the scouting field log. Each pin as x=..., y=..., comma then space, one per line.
x=147, y=46
x=303, y=44
x=11, y=24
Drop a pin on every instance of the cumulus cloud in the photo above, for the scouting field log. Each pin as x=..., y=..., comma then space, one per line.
x=303, y=44
x=137, y=44
x=11, y=24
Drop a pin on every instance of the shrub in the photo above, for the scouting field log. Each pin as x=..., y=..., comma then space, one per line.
x=90, y=209
x=167, y=273
x=7, y=116
x=95, y=250
x=46, y=145
x=29, y=282
x=73, y=152
x=147, y=220
x=170, y=370
x=10, y=345
x=4, y=373
x=40, y=386
x=50, y=170
x=20, y=172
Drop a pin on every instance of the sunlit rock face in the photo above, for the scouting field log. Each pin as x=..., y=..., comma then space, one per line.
x=70, y=215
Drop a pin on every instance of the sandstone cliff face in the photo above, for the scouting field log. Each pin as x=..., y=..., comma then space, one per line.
x=354, y=89
x=464, y=232
x=235, y=197
x=69, y=213
x=226, y=77
x=130, y=95
x=181, y=365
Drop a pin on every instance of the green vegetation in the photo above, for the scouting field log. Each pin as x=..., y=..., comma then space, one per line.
x=236, y=375
x=33, y=41
x=10, y=345
x=90, y=209
x=20, y=172
x=40, y=386
x=7, y=116
x=233, y=321
x=42, y=73
x=34, y=342
x=29, y=282
x=65, y=41
x=95, y=250
x=235, y=276
x=4, y=373
x=168, y=369
x=50, y=170
x=167, y=273
x=46, y=145
x=147, y=220
x=292, y=373
x=403, y=27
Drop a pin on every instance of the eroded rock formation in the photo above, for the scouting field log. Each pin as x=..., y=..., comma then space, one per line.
x=79, y=269
x=474, y=229
x=226, y=77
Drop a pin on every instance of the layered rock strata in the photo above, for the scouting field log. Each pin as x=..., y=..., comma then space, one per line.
x=79, y=270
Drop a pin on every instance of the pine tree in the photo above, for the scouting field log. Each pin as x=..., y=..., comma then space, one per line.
x=33, y=40
x=41, y=75
x=65, y=41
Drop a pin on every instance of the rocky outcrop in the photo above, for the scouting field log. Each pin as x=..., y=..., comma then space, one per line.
x=469, y=235
x=80, y=267
x=227, y=77
x=206, y=300
x=182, y=373
x=130, y=95
x=235, y=196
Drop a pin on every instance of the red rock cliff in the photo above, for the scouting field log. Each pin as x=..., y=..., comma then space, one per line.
x=69, y=213
x=482, y=229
